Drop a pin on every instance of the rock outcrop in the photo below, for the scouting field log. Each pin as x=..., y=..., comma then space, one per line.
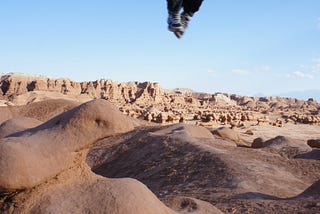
x=150, y=102
x=45, y=167
x=13, y=85
x=31, y=157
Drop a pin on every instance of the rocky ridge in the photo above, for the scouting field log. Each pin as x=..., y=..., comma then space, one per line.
x=150, y=102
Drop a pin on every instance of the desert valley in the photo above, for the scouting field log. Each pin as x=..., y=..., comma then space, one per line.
x=108, y=147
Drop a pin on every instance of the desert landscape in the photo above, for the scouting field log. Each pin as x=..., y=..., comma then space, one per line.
x=108, y=147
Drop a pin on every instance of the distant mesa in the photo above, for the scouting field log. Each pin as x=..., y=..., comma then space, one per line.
x=150, y=102
x=13, y=85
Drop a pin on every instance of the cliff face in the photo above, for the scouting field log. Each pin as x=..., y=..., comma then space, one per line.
x=12, y=85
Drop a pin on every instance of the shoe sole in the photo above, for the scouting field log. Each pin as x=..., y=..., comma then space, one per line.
x=179, y=29
x=178, y=34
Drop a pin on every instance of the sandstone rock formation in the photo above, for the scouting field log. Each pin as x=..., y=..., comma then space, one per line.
x=181, y=163
x=171, y=161
x=151, y=103
x=43, y=169
x=17, y=124
x=31, y=157
x=232, y=135
x=12, y=85
x=47, y=164
x=42, y=110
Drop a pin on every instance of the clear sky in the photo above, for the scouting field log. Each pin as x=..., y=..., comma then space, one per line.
x=235, y=46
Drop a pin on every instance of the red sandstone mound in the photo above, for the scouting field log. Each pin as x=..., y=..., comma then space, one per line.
x=231, y=135
x=17, y=124
x=46, y=166
x=42, y=110
x=171, y=161
x=41, y=153
x=6, y=114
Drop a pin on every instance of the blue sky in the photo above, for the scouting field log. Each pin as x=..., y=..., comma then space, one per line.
x=244, y=47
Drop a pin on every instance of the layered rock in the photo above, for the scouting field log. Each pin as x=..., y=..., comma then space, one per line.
x=150, y=102
x=12, y=85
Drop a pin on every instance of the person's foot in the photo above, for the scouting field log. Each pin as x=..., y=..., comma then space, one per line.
x=178, y=34
x=174, y=22
x=185, y=19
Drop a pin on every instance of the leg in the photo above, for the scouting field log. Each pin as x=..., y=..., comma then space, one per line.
x=174, y=20
x=174, y=5
x=191, y=6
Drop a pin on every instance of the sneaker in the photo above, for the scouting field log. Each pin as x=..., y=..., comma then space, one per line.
x=185, y=19
x=178, y=34
x=174, y=22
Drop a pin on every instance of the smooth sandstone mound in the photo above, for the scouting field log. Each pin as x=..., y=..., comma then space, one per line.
x=189, y=131
x=78, y=190
x=150, y=153
x=35, y=155
x=6, y=114
x=17, y=124
x=231, y=135
x=42, y=110
x=48, y=163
